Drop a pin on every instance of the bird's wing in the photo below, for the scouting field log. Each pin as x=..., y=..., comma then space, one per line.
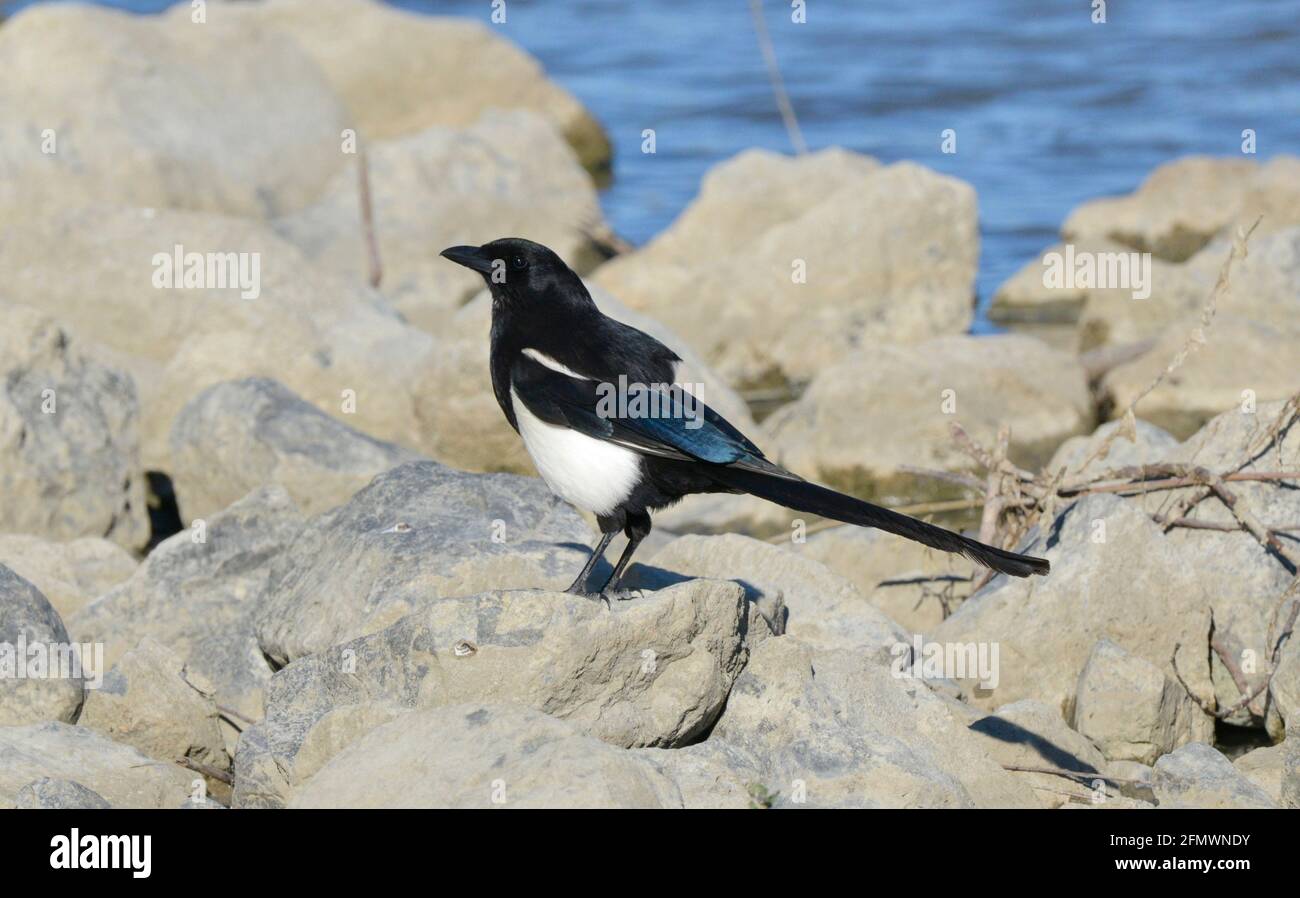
x=670, y=424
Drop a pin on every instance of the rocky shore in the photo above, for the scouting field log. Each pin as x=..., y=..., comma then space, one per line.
x=266, y=540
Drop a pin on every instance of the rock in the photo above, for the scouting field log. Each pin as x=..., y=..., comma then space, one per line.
x=118, y=774
x=1135, y=588
x=1264, y=287
x=856, y=735
x=784, y=265
x=1132, y=780
x=147, y=702
x=1197, y=776
x=1265, y=768
x=477, y=755
x=711, y=775
x=197, y=599
x=1185, y=203
x=1291, y=771
x=50, y=794
x=654, y=671
x=318, y=334
x=1030, y=733
x=824, y=610
x=418, y=532
x=239, y=435
x=1131, y=710
x=1211, y=379
x=129, y=100
x=890, y=571
x=1284, y=687
x=398, y=72
x=69, y=439
x=890, y=406
x=41, y=674
x=506, y=173
x=68, y=574
x=461, y=412
x=1032, y=296
x=1079, y=455
x=1239, y=580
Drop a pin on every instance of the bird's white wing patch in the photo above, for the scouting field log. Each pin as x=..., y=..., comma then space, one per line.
x=592, y=474
x=542, y=358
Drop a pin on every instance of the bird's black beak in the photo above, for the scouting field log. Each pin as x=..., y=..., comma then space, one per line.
x=471, y=257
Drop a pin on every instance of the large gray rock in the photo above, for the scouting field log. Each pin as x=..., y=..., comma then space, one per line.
x=1198, y=776
x=1264, y=287
x=40, y=672
x=1212, y=379
x=713, y=775
x=334, y=342
x=51, y=794
x=911, y=583
x=69, y=574
x=131, y=101
x=147, y=702
x=654, y=671
x=1132, y=710
x=1114, y=575
x=838, y=729
x=1079, y=456
x=417, y=532
x=237, y=436
x=477, y=755
x=196, y=593
x=824, y=610
x=1029, y=733
x=889, y=406
x=398, y=72
x=1237, y=577
x=69, y=438
x=118, y=774
x=1184, y=204
x=460, y=410
x=1284, y=688
x=781, y=266
x=1047, y=291
x=1266, y=768
x=507, y=173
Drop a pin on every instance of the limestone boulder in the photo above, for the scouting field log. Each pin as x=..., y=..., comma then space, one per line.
x=782, y=266
x=69, y=436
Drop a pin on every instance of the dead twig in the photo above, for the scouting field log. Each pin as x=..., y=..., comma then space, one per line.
x=368, y=219
x=207, y=770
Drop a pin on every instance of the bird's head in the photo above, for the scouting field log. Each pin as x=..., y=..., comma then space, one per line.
x=520, y=272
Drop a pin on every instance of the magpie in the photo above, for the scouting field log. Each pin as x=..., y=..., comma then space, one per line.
x=562, y=371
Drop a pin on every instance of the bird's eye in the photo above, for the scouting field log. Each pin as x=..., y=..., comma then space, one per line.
x=518, y=263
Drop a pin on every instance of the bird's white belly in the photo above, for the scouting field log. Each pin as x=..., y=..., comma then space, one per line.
x=592, y=474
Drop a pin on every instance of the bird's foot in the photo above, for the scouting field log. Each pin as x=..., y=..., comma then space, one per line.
x=594, y=596
x=625, y=595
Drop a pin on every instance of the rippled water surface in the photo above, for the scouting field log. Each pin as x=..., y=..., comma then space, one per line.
x=1049, y=108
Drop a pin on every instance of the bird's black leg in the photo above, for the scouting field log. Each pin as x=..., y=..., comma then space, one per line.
x=576, y=588
x=637, y=529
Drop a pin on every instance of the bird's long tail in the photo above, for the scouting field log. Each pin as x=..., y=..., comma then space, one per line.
x=801, y=495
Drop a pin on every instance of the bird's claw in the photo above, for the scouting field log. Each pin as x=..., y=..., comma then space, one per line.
x=625, y=595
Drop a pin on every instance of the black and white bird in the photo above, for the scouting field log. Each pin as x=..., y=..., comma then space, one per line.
x=556, y=363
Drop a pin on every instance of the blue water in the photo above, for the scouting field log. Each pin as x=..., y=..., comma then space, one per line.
x=1049, y=108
